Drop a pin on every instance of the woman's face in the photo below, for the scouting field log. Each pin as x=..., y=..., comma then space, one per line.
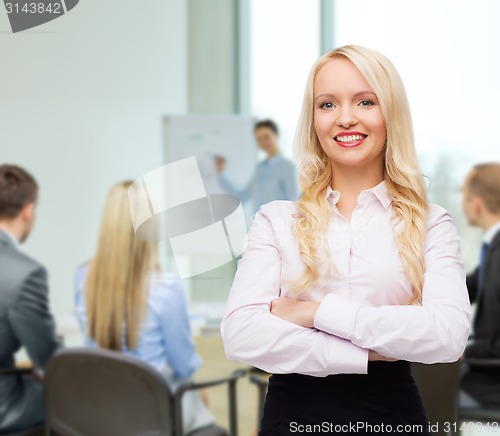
x=347, y=116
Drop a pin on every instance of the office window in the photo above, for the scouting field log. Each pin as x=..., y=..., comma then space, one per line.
x=284, y=44
x=446, y=54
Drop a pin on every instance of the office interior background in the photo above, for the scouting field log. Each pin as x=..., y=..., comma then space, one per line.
x=83, y=98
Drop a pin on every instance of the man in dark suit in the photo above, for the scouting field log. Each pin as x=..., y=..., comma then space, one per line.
x=481, y=204
x=25, y=320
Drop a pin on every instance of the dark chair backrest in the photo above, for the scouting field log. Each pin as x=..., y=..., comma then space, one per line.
x=438, y=386
x=486, y=412
x=37, y=430
x=104, y=393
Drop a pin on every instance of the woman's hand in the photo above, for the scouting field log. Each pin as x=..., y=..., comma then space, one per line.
x=299, y=312
x=373, y=355
x=204, y=396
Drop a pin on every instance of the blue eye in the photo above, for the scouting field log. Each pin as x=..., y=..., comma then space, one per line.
x=366, y=103
x=326, y=105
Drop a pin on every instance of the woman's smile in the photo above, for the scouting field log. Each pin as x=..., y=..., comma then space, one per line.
x=349, y=139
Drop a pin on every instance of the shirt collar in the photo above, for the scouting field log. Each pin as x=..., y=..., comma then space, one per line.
x=490, y=234
x=274, y=158
x=378, y=192
x=15, y=242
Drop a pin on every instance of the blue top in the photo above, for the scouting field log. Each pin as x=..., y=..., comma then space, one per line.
x=165, y=339
x=275, y=178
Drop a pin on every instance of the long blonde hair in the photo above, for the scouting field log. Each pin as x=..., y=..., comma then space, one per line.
x=118, y=278
x=402, y=173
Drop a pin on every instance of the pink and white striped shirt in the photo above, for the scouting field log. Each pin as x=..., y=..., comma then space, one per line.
x=363, y=307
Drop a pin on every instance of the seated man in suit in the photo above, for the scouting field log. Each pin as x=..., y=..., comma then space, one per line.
x=25, y=320
x=481, y=204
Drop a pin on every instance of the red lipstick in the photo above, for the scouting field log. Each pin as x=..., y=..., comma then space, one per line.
x=349, y=139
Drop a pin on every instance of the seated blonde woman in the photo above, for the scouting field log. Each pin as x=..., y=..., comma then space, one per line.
x=125, y=303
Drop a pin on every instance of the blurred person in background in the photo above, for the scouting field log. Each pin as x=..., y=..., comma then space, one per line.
x=124, y=302
x=25, y=319
x=481, y=205
x=275, y=178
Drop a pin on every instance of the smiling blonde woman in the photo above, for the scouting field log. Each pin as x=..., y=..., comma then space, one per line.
x=338, y=292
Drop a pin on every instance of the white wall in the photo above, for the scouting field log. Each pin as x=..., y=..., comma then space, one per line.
x=81, y=106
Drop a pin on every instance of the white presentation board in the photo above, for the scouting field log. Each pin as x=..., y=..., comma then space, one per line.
x=205, y=136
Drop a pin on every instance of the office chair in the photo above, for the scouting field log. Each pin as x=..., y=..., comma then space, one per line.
x=37, y=430
x=94, y=392
x=479, y=414
x=438, y=385
x=261, y=380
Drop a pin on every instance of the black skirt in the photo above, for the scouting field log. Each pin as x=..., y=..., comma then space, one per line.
x=384, y=401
